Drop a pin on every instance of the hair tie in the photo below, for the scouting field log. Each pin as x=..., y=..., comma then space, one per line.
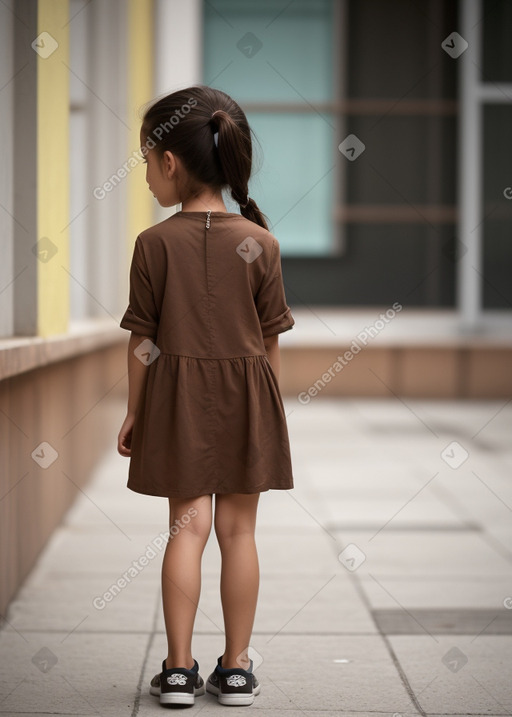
x=215, y=126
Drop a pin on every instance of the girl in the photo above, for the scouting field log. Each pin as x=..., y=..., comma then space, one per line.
x=205, y=415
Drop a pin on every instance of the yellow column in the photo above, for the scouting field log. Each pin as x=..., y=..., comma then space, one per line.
x=52, y=47
x=140, y=92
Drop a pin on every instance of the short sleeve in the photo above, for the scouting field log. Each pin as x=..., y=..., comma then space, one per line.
x=141, y=316
x=274, y=314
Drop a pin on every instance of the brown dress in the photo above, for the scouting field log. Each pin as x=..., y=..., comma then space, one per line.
x=211, y=417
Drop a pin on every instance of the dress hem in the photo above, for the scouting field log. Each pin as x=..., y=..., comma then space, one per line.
x=176, y=494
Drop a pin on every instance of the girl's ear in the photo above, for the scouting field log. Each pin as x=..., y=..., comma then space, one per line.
x=169, y=164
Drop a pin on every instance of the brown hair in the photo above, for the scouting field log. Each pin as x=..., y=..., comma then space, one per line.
x=210, y=134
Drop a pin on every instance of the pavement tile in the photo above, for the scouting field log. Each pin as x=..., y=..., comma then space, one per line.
x=87, y=552
x=433, y=592
x=439, y=553
x=458, y=674
x=286, y=510
x=368, y=682
x=86, y=603
x=85, y=674
x=349, y=513
x=443, y=621
x=488, y=493
x=296, y=551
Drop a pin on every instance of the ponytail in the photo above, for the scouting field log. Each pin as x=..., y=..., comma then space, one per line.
x=234, y=147
x=209, y=131
x=252, y=212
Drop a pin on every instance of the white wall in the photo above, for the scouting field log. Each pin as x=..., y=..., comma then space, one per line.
x=99, y=147
x=6, y=167
x=178, y=44
x=178, y=52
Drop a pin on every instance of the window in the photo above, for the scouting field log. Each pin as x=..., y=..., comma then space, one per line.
x=280, y=68
x=310, y=73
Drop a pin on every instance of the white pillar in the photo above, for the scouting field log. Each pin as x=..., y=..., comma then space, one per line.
x=106, y=152
x=178, y=52
x=7, y=122
x=470, y=268
x=178, y=41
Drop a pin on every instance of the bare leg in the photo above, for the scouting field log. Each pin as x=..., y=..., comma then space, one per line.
x=190, y=525
x=235, y=523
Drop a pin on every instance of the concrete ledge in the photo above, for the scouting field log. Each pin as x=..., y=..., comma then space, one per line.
x=20, y=354
x=420, y=354
x=444, y=373
x=327, y=326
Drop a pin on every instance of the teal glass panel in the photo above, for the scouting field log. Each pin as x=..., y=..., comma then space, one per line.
x=293, y=179
x=269, y=50
x=277, y=52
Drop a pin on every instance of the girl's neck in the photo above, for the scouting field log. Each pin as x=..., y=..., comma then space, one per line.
x=204, y=202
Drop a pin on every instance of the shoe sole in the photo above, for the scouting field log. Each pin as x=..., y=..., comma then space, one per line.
x=176, y=698
x=156, y=692
x=232, y=699
x=180, y=698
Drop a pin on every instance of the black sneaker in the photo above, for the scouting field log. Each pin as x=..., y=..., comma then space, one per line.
x=235, y=687
x=177, y=686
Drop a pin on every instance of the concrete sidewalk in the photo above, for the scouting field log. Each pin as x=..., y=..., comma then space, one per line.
x=386, y=582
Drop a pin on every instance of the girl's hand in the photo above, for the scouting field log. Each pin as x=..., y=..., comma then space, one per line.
x=124, y=440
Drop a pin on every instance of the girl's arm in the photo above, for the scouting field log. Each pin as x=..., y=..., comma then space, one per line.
x=136, y=379
x=272, y=349
x=136, y=372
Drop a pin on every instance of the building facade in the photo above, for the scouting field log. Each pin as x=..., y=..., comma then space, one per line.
x=382, y=147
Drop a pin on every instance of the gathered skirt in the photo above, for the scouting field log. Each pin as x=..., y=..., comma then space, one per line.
x=207, y=426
